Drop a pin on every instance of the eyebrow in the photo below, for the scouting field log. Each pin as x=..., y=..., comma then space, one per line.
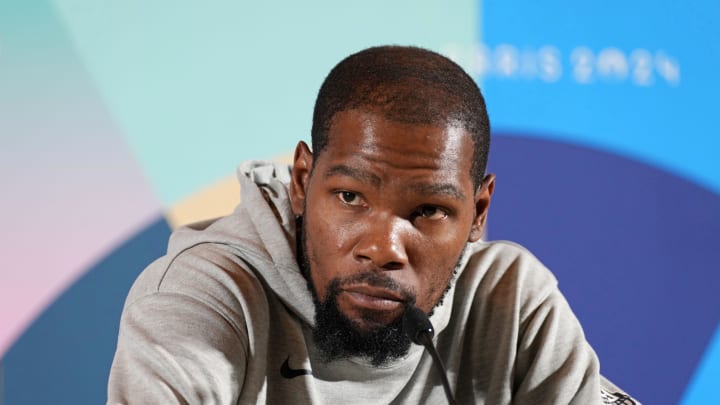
x=357, y=174
x=444, y=189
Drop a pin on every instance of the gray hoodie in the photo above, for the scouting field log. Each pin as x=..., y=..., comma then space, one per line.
x=226, y=317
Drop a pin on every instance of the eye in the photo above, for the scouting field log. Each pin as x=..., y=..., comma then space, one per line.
x=432, y=212
x=349, y=198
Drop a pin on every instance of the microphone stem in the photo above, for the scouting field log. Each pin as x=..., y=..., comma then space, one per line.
x=427, y=342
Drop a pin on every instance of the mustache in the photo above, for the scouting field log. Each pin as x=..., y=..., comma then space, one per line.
x=374, y=279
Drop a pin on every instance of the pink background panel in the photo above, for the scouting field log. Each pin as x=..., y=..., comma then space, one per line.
x=71, y=189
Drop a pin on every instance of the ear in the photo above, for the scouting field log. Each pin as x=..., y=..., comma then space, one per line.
x=482, y=204
x=300, y=177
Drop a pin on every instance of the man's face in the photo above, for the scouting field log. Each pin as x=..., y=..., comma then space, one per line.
x=387, y=211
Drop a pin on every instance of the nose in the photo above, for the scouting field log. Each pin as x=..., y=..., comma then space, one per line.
x=383, y=243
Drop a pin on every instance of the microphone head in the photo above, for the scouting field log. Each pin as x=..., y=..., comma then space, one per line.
x=416, y=324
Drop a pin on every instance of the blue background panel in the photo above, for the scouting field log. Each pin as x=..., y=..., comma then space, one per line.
x=637, y=112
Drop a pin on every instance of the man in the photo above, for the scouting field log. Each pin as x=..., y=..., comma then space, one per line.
x=298, y=296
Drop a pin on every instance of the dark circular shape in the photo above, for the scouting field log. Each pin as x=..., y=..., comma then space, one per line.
x=634, y=249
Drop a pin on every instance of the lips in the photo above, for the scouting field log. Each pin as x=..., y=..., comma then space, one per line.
x=374, y=298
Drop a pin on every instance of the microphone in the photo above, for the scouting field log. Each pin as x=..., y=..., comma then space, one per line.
x=418, y=328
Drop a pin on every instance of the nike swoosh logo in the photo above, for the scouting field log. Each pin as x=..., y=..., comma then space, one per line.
x=288, y=372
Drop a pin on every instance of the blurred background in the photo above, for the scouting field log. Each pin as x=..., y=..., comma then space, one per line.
x=120, y=120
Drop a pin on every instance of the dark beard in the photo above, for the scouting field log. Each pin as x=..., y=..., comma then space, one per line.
x=338, y=337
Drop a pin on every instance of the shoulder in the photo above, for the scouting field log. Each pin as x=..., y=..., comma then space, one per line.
x=505, y=265
x=205, y=274
x=183, y=326
x=514, y=305
x=504, y=282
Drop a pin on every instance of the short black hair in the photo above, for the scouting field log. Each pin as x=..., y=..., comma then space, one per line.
x=405, y=84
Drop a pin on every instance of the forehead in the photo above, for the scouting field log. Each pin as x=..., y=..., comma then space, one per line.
x=393, y=148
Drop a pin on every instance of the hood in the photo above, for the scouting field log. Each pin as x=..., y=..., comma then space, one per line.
x=261, y=231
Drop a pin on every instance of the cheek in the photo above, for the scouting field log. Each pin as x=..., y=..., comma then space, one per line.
x=332, y=230
x=437, y=259
x=439, y=250
x=326, y=244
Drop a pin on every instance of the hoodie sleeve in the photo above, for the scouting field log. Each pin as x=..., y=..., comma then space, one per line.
x=555, y=364
x=175, y=349
x=183, y=333
x=528, y=335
